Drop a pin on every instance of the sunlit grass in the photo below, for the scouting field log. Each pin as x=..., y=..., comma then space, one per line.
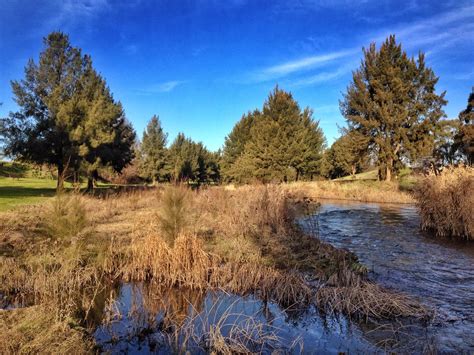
x=24, y=191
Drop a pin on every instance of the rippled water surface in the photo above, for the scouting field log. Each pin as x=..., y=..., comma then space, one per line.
x=388, y=240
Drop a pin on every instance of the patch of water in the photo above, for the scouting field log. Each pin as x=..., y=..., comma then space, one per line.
x=387, y=239
x=142, y=319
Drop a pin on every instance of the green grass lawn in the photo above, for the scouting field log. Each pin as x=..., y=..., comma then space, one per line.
x=22, y=191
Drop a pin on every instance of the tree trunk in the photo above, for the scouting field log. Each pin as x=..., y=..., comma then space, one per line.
x=353, y=170
x=388, y=171
x=60, y=184
x=297, y=174
x=90, y=184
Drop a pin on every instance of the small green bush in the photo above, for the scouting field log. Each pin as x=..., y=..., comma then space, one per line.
x=66, y=216
x=174, y=215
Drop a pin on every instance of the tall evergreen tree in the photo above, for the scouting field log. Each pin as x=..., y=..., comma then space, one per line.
x=235, y=142
x=102, y=134
x=191, y=162
x=347, y=154
x=464, y=139
x=67, y=117
x=153, y=150
x=39, y=131
x=285, y=142
x=393, y=102
x=445, y=151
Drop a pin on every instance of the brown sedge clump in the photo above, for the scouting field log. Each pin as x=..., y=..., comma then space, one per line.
x=446, y=203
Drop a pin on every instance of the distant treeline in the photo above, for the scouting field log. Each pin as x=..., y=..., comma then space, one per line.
x=69, y=119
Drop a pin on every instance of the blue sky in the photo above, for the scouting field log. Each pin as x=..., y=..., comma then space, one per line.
x=201, y=64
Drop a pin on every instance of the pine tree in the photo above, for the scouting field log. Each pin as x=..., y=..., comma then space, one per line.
x=445, y=151
x=284, y=144
x=392, y=101
x=39, y=131
x=68, y=117
x=191, y=162
x=102, y=133
x=153, y=150
x=347, y=154
x=235, y=142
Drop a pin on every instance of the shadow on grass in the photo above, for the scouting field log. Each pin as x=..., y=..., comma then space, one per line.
x=20, y=191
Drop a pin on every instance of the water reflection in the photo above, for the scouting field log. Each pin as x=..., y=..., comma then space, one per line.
x=145, y=318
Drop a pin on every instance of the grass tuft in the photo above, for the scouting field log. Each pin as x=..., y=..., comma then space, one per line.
x=174, y=215
x=66, y=216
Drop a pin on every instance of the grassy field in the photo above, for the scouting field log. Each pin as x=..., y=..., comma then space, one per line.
x=20, y=184
x=24, y=191
x=25, y=185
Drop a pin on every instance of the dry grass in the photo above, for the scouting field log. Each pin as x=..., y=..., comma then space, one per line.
x=36, y=330
x=369, y=301
x=242, y=241
x=446, y=203
x=373, y=191
x=185, y=264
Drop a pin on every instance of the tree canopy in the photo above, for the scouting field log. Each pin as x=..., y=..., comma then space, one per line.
x=153, y=150
x=279, y=143
x=347, y=155
x=191, y=162
x=393, y=102
x=464, y=139
x=67, y=116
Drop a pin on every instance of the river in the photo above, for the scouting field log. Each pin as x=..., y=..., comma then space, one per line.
x=388, y=240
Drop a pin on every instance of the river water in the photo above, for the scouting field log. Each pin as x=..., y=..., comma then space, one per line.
x=386, y=238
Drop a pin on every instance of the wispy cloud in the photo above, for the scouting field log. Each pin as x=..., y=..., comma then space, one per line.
x=299, y=65
x=160, y=87
x=440, y=31
x=437, y=33
x=305, y=63
x=323, y=77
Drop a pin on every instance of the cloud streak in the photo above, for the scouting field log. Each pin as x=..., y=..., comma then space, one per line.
x=438, y=32
x=303, y=64
x=159, y=88
x=324, y=77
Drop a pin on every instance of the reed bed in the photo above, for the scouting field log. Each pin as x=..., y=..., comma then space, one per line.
x=373, y=191
x=369, y=301
x=446, y=203
x=186, y=264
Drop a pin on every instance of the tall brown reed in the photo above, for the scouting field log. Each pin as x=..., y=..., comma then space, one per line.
x=446, y=203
